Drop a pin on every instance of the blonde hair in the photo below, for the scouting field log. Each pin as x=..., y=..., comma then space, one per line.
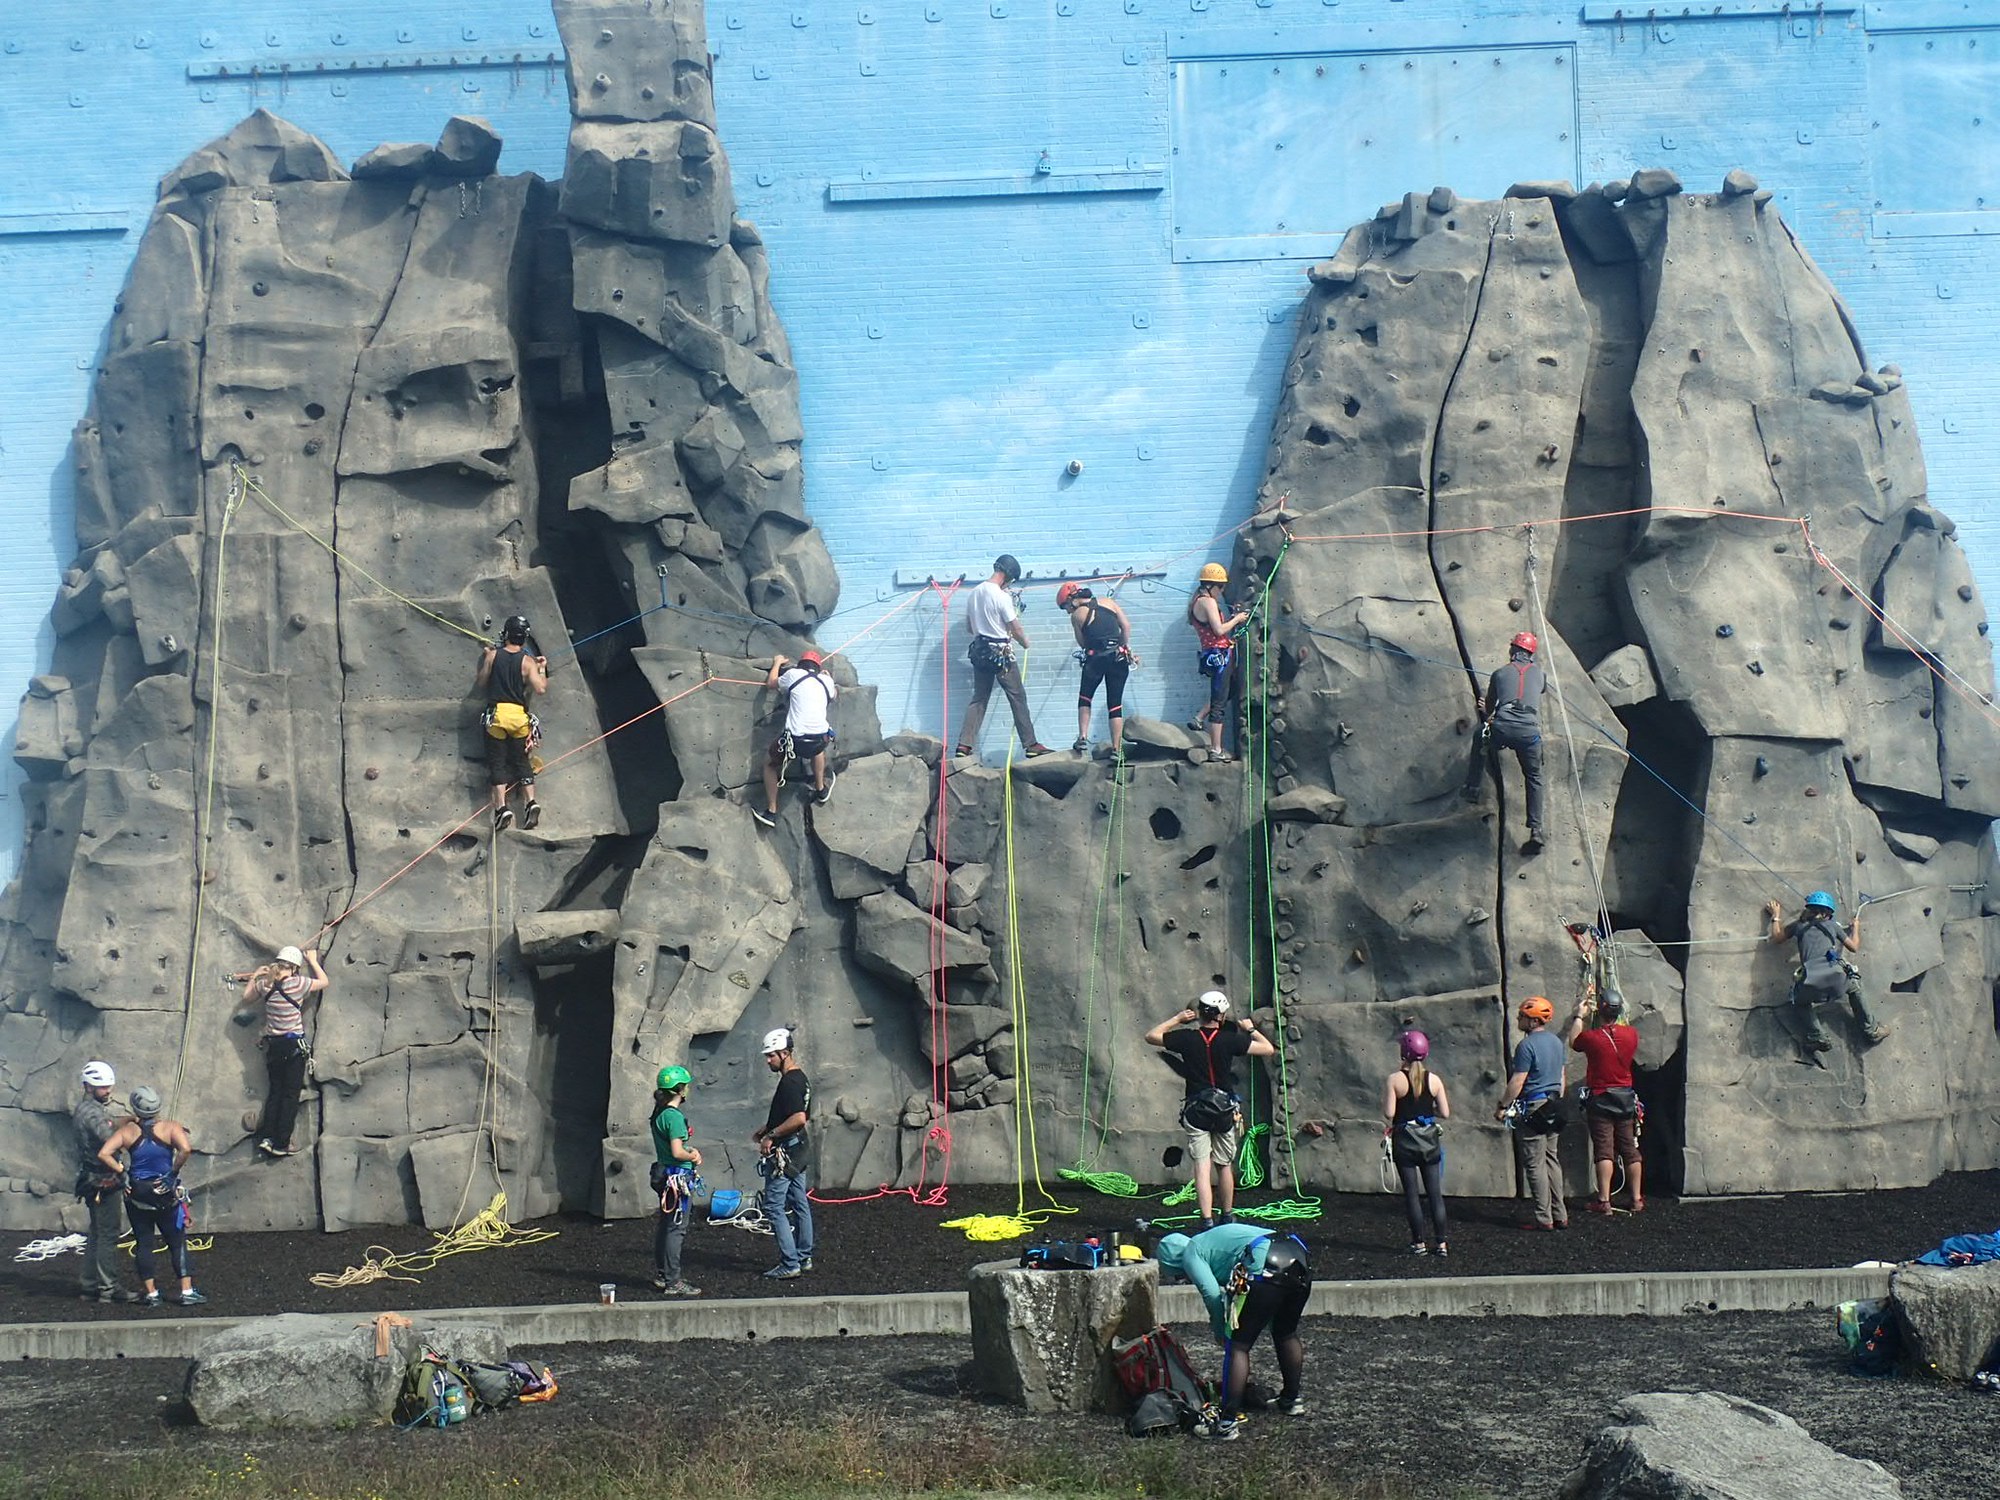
x=1419, y=1073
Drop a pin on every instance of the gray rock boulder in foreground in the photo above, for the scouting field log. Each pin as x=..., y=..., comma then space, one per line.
x=1042, y=1339
x=307, y=1370
x=1709, y=1446
x=1950, y=1317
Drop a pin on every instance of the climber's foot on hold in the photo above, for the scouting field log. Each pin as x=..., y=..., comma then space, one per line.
x=1037, y=750
x=1534, y=844
x=765, y=819
x=531, y=815
x=1876, y=1034
x=503, y=819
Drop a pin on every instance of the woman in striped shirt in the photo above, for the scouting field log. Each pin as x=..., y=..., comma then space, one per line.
x=283, y=989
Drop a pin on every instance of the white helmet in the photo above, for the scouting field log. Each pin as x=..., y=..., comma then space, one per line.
x=98, y=1075
x=1214, y=1000
x=777, y=1040
x=292, y=956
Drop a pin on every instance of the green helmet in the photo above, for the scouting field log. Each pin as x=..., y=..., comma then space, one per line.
x=675, y=1077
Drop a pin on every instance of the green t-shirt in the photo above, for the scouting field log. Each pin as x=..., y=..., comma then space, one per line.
x=669, y=1125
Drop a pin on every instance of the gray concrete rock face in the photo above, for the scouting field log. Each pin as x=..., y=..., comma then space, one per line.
x=347, y=425
x=298, y=1370
x=1710, y=1446
x=1042, y=1339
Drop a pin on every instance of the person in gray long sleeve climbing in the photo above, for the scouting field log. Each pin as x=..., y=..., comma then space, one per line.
x=1510, y=719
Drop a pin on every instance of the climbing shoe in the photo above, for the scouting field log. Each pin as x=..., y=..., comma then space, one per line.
x=825, y=794
x=503, y=818
x=531, y=815
x=1220, y=758
x=764, y=819
x=1038, y=748
x=1819, y=1043
x=1199, y=726
x=961, y=752
x=1876, y=1034
x=1535, y=838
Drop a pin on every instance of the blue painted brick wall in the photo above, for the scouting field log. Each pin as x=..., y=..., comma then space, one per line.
x=956, y=353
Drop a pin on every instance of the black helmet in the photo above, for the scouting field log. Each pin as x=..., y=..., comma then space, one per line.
x=1610, y=1004
x=1286, y=1259
x=1008, y=566
x=515, y=631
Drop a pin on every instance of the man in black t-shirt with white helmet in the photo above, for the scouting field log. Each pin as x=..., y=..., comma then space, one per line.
x=1202, y=1045
x=787, y=1159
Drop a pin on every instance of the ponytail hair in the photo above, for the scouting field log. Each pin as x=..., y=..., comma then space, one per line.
x=1419, y=1073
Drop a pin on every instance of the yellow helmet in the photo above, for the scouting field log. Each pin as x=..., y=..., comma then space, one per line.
x=1214, y=573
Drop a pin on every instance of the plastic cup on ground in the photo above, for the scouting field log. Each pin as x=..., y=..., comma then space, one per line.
x=607, y=1293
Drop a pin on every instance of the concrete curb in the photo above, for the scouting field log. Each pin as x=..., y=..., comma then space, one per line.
x=1660, y=1293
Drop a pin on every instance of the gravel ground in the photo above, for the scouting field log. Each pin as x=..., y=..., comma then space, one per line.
x=1439, y=1408
x=890, y=1245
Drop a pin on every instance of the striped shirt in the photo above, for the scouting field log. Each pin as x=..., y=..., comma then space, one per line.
x=284, y=1006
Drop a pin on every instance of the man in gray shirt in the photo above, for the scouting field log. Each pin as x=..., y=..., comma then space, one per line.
x=1510, y=714
x=97, y=1119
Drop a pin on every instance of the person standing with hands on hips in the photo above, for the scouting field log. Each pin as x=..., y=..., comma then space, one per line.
x=1203, y=1047
x=154, y=1199
x=786, y=1159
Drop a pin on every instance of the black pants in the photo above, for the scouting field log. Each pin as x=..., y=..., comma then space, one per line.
x=1527, y=748
x=1277, y=1305
x=285, y=1066
x=166, y=1224
x=1421, y=1182
x=1111, y=670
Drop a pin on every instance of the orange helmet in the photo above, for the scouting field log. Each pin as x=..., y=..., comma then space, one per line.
x=1526, y=641
x=1536, y=1008
x=1069, y=593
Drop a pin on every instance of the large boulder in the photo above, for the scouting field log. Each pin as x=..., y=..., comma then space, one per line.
x=1042, y=1339
x=1949, y=1315
x=1708, y=1446
x=302, y=1370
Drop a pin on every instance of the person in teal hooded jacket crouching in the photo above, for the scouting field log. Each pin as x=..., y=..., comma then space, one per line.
x=1250, y=1279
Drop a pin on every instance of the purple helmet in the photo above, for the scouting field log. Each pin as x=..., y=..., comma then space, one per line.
x=1415, y=1045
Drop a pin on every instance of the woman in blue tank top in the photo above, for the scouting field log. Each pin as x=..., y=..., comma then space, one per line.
x=156, y=1149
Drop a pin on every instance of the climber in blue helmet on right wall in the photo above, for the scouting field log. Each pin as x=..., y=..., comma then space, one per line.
x=1823, y=970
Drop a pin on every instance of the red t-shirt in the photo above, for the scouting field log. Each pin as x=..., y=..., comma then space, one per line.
x=1608, y=1053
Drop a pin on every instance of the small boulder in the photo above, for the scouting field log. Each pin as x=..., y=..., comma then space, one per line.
x=1654, y=182
x=1738, y=184
x=468, y=147
x=1949, y=1315
x=1043, y=1339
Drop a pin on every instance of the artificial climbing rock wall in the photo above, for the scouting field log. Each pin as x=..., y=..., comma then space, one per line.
x=350, y=418
x=1668, y=388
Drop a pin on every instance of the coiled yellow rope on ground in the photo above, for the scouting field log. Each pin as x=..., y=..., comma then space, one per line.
x=486, y=1230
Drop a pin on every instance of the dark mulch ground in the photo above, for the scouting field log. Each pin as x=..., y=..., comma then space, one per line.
x=890, y=1245
x=1438, y=1409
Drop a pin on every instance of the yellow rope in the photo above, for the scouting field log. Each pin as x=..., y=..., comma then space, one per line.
x=207, y=823
x=345, y=561
x=488, y=1230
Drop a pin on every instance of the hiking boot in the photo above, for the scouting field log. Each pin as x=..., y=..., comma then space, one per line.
x=780, y=1273
x=1293, y=1405
x=189, y=1298
x=1599, y=1206
x=1876, y=1033
x=825, y=794
x=681, y=1289
x=1081, y=747
x=503, y=819
x=531, y=815
x=764, y=818
x=1219, y=1428
x=1037, y=749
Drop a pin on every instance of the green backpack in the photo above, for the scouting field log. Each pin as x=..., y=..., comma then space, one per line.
x=436, y=1392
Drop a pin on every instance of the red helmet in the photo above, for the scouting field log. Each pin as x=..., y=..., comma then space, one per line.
x=1526, y=641
x=811, y=658
x=1069, y=593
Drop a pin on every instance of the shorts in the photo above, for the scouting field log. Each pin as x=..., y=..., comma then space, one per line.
x=507, y=762
x=1276, y=1305
x=1219, y=1144
x=1612, y=1139
x=801, y=747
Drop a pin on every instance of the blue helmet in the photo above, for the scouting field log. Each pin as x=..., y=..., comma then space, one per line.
x=1822, y=899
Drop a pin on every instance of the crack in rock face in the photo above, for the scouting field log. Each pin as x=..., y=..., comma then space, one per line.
x=349, y=422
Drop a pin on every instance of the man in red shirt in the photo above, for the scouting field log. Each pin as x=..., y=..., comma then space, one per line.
x=1611, y=1103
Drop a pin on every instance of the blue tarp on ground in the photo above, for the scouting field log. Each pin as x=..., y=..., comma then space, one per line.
x=1963, y=1250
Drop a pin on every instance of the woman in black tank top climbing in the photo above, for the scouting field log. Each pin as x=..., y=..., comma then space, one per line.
x=1104, y=636
x=1414, y=1109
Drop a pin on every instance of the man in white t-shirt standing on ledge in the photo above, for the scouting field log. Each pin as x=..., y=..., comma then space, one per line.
x=995, y=627
x=808, y=732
